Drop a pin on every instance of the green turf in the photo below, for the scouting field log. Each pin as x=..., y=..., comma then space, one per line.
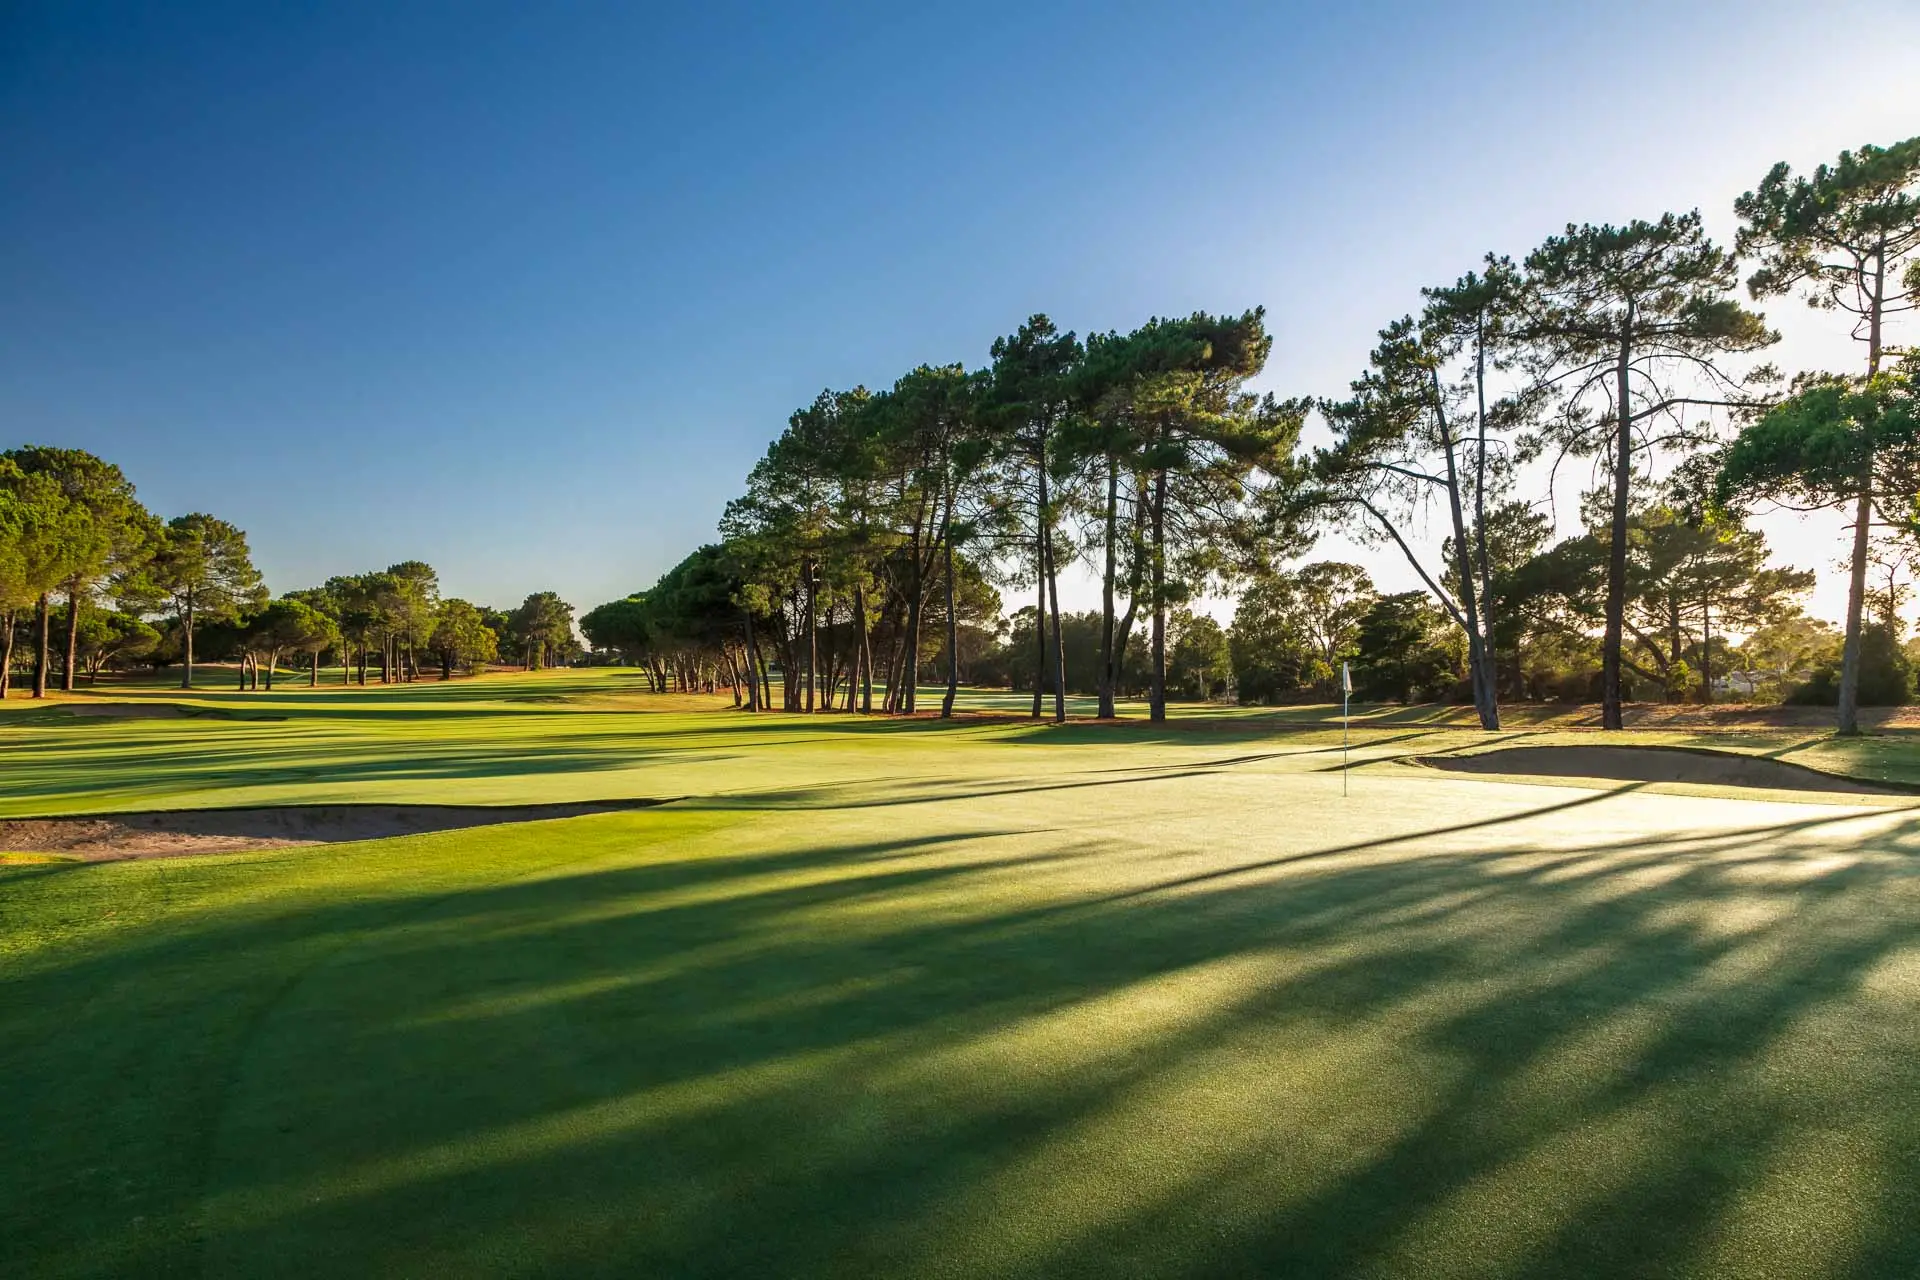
x=903, y=999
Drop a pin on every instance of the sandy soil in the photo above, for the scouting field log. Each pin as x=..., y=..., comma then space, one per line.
x=1658, y=764
x=126, y=710
x=109, y=837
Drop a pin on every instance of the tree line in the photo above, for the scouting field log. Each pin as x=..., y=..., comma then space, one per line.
x=90, y=578
x=875, y=535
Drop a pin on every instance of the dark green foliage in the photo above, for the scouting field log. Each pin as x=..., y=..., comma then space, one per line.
x=1406, y=650
x=1886, y=674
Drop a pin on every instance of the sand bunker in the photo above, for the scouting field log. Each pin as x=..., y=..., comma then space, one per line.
x=1659, y=764
x=108, y=837
x=127, y=710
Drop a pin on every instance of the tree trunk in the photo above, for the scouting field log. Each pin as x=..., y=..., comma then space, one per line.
x=186, y=639
x=1109, y=671
x=1849, y=710
x=1059, y=649
x=753, y=663
x=1480, y=526
x=910, y=665
x=813, y=634
x=1157, y=693
x=863, y=641
x=44, y=654
x=9, y=619
x=70, y=669
x=1849, y=717
x=1479, y=669
x=953, y=620
x=1674, y=657
x=1612, y=713
x=1040, y=611
x=1706, y=651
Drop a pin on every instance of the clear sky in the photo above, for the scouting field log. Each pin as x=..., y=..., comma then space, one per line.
x=524, y=290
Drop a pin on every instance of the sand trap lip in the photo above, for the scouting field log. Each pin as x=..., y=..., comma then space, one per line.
x=127, y=710
x=108, y=837
x=1660, y=764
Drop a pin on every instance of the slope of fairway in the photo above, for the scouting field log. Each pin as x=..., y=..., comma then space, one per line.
x=898, y=999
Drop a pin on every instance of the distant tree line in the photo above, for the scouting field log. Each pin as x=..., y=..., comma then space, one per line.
x=870, y=536
x=90, y=579
x=876, y=540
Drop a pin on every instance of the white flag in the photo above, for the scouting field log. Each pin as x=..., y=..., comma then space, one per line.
x=1346, y=679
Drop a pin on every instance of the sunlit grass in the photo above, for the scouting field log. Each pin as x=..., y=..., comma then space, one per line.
x=902, y=999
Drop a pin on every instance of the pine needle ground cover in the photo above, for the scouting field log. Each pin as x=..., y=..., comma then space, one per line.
x=897, y=998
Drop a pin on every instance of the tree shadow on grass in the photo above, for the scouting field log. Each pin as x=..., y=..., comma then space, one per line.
x=1018, y=1053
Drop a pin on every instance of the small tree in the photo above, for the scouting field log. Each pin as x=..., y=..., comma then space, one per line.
x=1841, y=237
x=204, y=568
x=1836, y=442
x=462, y=639
x=1406, y=650
x=1199, y=665
x=111, y=536
x=107, y=635
x=287, y=626
x=39, y=532
x=1630, y=326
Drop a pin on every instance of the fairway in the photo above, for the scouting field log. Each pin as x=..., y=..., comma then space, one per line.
x=897, y=998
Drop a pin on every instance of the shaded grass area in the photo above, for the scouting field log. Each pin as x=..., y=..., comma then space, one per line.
x=982, y=1000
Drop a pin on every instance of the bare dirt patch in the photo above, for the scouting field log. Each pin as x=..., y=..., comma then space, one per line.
x=110, y=837
x=1659, y=764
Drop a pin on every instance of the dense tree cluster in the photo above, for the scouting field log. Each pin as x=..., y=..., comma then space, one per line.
x=875, y=535
x=89, y=579
x=1144, y=457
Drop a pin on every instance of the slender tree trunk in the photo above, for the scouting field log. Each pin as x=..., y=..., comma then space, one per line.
x=1706, y=651
x=1479, y=668
x=753, y=663
x=1675, y=653
x=363, y=665
x=910, y=684
x=1849, y=718
x=1109, y=671
x=953, y=619
x=813, y=637
x=1059, y=649
x=1612, y=712
x=863, y=642
x=313, y=673
x=1040, y=605
x=1849, y=709
x=1124, y=632
x=1157, y=703
x=186, y=639
x=1480, y=526
x=44, y=655
x=68, y=671
x=9, y=619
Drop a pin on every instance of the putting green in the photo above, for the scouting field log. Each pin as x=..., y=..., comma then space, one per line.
x=901, y=999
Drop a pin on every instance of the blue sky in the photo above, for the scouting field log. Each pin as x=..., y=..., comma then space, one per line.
x=524, y=290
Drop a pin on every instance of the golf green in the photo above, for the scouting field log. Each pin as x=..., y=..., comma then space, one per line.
x=909, y=999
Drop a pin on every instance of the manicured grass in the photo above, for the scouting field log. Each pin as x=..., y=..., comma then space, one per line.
x=897, y=998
